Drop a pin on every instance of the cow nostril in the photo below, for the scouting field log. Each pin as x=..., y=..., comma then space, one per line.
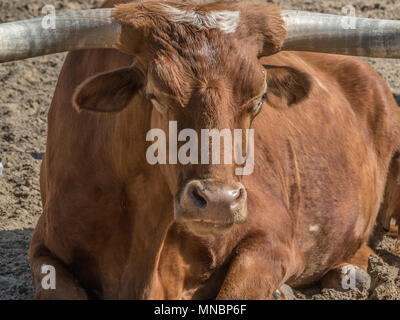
x=238, y=196
x=197, y=199
x=235, y=194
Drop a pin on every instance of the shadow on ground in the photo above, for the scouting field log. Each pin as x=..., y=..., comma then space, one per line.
x=15, y=275
x=397, y=98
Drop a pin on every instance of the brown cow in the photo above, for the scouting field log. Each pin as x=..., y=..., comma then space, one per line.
x=115, y=226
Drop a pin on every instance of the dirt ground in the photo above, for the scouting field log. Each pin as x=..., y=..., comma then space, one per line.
x=26, y=89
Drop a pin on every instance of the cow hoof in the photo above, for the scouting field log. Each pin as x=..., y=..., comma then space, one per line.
x=284, y=293
x=354, y=277
x=348, y=277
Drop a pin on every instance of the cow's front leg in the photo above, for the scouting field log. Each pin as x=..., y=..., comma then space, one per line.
x=259, y=268
x=64, y=286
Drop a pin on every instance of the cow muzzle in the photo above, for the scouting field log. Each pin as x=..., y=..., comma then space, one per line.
x=211, y=207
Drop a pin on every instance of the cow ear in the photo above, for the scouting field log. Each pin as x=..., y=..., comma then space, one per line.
x=108, y=91
x=286, y=86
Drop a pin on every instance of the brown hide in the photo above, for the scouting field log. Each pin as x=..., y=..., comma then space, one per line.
x=324, y=140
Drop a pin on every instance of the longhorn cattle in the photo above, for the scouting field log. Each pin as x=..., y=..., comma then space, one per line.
x=326, y=142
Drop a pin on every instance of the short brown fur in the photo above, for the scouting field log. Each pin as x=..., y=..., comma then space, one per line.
x=324, y=141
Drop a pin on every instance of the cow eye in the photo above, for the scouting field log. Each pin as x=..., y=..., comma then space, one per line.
x=264, y=96
x=156, y=104
x=150, y=96
x=258, y=107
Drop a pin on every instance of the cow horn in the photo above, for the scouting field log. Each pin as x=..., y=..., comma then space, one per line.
x=307, y=31
x=77, y=30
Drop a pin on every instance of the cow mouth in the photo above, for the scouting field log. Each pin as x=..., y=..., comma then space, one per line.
x=213, y=223
x=208, y=227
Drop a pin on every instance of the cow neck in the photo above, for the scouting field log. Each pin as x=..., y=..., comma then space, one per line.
x=148, y=201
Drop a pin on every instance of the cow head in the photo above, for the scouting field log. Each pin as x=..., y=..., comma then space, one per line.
x=199, y=70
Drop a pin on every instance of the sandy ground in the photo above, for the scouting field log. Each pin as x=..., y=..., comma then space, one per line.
x=26, y=88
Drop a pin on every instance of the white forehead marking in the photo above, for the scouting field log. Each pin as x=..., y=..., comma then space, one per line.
x=225, y=20
x=314, y=227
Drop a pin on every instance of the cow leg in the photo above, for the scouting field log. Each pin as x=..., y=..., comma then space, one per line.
x=66, y=286
x=356, y=267
x=390, y=208
x=257, y=270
